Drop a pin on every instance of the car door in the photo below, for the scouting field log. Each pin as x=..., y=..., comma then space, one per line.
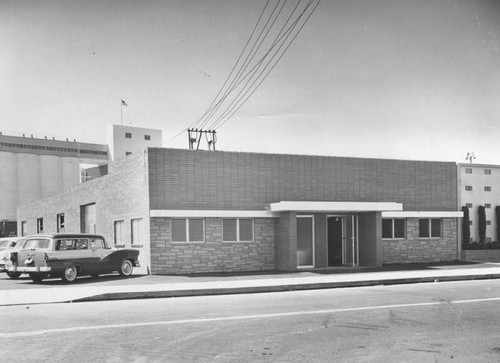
x=99, y=252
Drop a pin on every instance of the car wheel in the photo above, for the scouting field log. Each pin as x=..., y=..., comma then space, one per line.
x=69, y=274
x=36, y=278
x=126, y=268
x=14, y=275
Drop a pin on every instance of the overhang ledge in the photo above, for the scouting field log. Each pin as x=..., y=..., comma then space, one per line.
x=300, y=206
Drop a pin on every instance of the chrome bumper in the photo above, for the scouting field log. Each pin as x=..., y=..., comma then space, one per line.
x=29, y=269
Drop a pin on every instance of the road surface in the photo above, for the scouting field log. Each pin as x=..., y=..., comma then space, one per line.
x=433, y=322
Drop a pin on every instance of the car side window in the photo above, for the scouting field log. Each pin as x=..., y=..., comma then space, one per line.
x=81, y=244
x=97, y=243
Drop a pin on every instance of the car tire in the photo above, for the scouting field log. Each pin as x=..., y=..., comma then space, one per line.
x=126, y=268
x=36, y=278
x=69, y=274
x=14, y=275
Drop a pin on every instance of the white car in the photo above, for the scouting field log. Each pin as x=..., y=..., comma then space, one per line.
x=5, y=254
x=7, y=242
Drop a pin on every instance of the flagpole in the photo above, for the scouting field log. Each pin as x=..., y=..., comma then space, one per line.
x=121, y=112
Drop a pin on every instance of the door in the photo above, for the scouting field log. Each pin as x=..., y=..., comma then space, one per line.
x=342, y=241
x=305, y=241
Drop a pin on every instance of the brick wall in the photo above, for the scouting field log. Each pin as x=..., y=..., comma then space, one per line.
x=415, y=249
x=191, y=179
x=213, y=255
x=481, y=255
x=120, y=195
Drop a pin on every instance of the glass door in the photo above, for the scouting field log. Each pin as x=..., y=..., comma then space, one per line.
x=305, y=241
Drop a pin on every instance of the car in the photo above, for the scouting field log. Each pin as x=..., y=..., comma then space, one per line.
x=7, y=242
x=5, y=254
x=68, y=256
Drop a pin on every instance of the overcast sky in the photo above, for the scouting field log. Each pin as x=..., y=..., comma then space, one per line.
x=387, y=79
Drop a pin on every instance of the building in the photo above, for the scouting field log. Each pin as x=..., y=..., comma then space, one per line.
x=194, y=211
x=36, y=168
x=125, y=140
x=479, y=185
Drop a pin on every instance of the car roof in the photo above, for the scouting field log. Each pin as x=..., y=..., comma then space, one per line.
x=66, y=235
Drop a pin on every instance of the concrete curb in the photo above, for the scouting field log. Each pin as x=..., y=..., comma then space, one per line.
x=279, y=288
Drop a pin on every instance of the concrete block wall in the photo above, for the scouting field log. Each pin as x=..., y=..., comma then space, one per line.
x=212, y=255
x=120, y=195
x=194, y=179
x=415, y=249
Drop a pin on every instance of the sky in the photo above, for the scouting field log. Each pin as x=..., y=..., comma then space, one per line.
x=395, y=79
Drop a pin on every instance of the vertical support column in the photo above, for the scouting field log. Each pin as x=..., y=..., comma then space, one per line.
x=370, y=239
x=286, y=242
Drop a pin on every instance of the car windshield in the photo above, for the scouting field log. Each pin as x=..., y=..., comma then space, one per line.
x=36, y=243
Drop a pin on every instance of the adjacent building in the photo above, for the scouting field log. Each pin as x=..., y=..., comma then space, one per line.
x=479, y=185
x=194, y=211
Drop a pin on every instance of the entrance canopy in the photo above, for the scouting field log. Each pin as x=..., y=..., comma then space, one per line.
x=299, y=206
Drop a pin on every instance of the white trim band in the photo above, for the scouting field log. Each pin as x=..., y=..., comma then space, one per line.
x=422, y=214
x=335, y=206
x=185, y=213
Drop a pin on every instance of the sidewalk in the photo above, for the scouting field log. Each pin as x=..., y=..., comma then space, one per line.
x=156, y=286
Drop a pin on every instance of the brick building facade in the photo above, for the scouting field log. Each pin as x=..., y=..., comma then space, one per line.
x=203, y=211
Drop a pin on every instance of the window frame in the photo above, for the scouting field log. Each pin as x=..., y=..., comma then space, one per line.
x=238, y=230
x=120, y=222
x=430, y=228
x=468, y=188
x=128, y=135
x=60, y=223
x=487, y=188
x=487, y=171
x=137, y=243
x=393, y=228
x=468, y=170
x=39, y=225
x=187, y=230
x=147, y=137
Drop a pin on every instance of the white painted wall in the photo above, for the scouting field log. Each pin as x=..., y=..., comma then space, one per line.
x=119, y=145
x=478, y=196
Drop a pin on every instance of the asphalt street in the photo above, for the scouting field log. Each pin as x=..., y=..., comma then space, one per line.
x=432, y=322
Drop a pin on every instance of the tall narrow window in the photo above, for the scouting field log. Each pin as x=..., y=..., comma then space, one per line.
x=39, y=225
x=118, y=235
x=136, y=231
x=60, y=223
x=24, y=232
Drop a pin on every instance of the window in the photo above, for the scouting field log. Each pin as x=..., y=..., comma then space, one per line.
x=147, y=137
x=468, y=205
x=429, y=228
x=128, y=135
x=60, y=222
x=23, y=228
x=127, y=153
x=487, y=171
x=468, y=187
x=468, y=170
x=188, y=230
x=97, y=243
x=237, y=230
x=118, y=229
x=393, y=228
x=487, y=205
x=39, y=225
x=136, y=232
x=488, y=223
x=487, y=189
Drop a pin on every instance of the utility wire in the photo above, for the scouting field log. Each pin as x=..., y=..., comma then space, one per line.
x=234, y=107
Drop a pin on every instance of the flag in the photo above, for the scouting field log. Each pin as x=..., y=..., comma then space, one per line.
x=124, y=103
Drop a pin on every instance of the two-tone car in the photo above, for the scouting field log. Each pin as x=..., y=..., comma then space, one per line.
x=70, y=255
x=5, y=254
